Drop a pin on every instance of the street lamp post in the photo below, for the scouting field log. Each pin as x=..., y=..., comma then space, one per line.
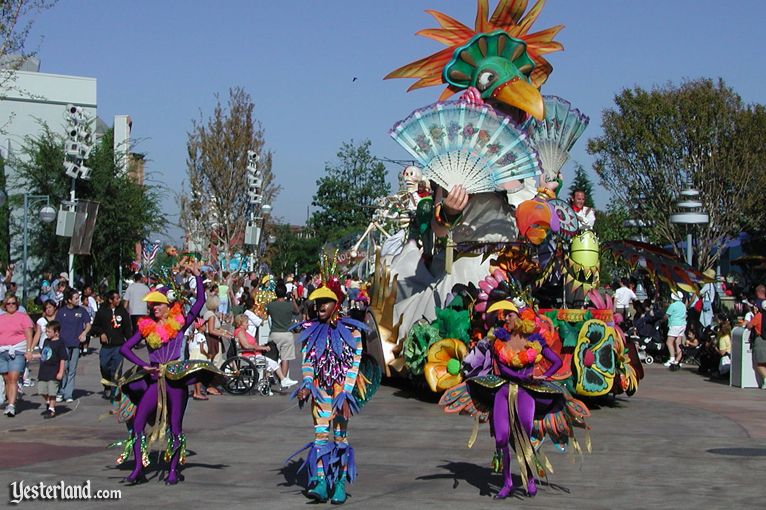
x=47, y=215
x=691, y=214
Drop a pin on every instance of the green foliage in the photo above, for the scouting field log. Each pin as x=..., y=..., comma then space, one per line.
x=700, y=133
x=290, y=248
x=346, y=195
x=610, y=226
x=127, y=212
x=582, y=182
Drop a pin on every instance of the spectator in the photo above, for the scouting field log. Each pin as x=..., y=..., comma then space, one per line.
x=46, y=293
x=198, y=351
x=49, y=314
x=623, y=297
x=8, y=276
x=60, y=289
x=248, y=343
x=281, y=319
x=723, y=346
x=113, y=326
x=757, y=334
x=214, y=335
x=52, y=366
x=134, y=299
x=15, y=348
x=676, y=317
x=90, y=304
x=75, y=326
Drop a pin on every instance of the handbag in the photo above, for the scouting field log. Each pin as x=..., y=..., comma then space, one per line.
x=724, y=365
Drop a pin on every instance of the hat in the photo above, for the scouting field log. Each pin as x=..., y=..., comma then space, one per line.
x=156, y=297
x=45, y=283
x=323, y=293
x=64, y=276
x=710, y=273
x=265, y=279
x=503, y=305
x=677, y=295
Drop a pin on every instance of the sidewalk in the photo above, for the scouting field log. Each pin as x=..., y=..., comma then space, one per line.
x=680, y=442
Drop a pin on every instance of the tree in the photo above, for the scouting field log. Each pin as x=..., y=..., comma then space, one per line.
x=127, y=212
x=218, y=209
x=15, y=24
x=657, y=143
x=346, y=195
x=582, y=182
x=291, y=249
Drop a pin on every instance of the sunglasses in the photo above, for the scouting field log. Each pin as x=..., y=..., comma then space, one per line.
x=14, y=303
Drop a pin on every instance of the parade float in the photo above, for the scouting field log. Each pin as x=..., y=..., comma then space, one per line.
x=442, y=283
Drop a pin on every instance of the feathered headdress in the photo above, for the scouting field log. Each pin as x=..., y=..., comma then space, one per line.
x=508, y=17
x=330, y=288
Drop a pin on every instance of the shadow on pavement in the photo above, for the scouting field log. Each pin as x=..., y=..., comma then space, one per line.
x=739, y=452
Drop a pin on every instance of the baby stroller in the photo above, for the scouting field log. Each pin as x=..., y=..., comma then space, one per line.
x=648, y=342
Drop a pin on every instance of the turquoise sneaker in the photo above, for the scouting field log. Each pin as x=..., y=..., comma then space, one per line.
x=339, y=492
x=318, y=491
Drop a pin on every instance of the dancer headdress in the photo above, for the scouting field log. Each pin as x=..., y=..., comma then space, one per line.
x=498, y=56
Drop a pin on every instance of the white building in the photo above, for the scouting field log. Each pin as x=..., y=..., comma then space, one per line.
x=27, y=101
x=34, y=97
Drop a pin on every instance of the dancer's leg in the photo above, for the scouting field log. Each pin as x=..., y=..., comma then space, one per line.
x=340, y=436
x=502, y=431
x=177, y=397
x=146, y=407
x=321, y=410
x=525, y=407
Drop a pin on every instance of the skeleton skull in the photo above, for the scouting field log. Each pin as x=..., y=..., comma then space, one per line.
x=411, y=176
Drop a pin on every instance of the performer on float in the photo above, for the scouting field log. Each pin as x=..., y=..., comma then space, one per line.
x=159, y=387
x=585, y=214
x=332, y=352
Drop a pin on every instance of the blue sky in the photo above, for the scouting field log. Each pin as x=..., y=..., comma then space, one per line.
x=162, y=62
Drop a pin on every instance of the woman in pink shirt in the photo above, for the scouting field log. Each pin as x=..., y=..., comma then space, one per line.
x=15, y=348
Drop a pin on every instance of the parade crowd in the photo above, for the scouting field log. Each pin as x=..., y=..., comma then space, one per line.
x=243, y=312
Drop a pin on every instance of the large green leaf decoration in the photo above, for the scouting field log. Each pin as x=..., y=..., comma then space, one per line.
x=419, y=339
x=594, y=359
x=453, y=323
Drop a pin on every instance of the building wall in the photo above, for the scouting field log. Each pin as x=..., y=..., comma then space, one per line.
x=34, y=97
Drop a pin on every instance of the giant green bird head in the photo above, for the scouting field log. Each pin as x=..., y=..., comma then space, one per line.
x=499, y=57
x=498, y=66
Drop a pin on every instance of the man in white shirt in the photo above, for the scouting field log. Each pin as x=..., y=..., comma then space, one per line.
x=585, y=214
x=623, y=297
x=134, y=299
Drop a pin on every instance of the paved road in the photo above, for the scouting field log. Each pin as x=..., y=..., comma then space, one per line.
x=681, y=442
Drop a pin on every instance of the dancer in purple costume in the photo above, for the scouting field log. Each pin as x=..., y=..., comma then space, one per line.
x=529, y=403
x=160, y=388
x=523, y=407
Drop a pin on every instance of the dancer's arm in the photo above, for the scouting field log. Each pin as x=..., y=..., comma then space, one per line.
x=126, y=350
x=196, y=308
x=525, y=374
x=555, y=360
x=344, y=403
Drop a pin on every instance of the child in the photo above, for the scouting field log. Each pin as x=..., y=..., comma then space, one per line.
x=53, y=358
x=198, y=351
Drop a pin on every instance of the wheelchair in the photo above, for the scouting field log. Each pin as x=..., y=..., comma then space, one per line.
x=245, y=372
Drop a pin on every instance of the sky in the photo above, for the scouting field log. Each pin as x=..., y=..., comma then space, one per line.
x=163, y=62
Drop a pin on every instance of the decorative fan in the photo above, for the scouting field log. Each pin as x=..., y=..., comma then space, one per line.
x=554, y=136
x=569, y=225
x=467, y=144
